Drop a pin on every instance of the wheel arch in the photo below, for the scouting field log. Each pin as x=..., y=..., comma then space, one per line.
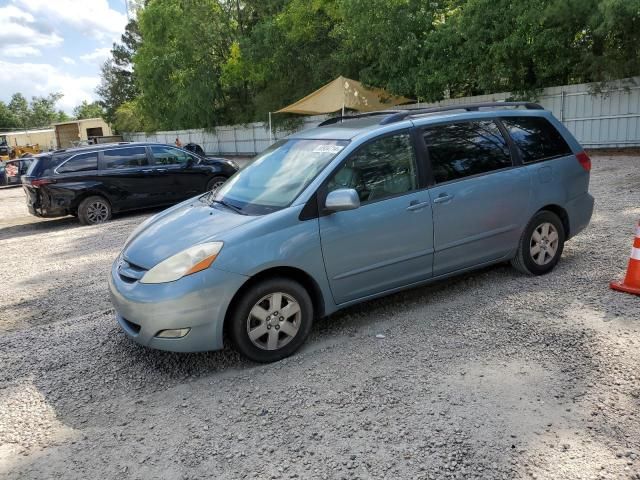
x=562, y=214
x=292, y=273
x=90, y=193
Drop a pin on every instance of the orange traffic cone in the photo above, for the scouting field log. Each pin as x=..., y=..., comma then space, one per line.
x=631, y=283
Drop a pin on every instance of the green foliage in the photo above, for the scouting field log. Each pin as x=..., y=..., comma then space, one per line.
x=128, y=118
x=61, y=116
x=19, y=108
x=118, y=78
x=201, y=63
x=88, y=110
x=179, y=64
x=20, y=113
x=43, y=110
x=7, y=118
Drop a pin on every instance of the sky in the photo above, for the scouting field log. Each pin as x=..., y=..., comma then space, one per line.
x=49, y=46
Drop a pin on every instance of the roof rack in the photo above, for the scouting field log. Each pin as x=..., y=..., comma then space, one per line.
x=331, y=121
x=393, y=116
x=470, y=107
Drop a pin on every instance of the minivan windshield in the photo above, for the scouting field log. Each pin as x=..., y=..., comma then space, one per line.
x=278, y=175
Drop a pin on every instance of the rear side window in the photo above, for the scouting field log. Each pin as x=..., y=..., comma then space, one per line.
x=459, y=150
x=125, y=158
x=80, y=163
x=536, y=138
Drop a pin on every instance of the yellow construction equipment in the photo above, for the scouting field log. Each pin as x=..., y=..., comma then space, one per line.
x=20, y=151
x=7, y=152
x=5, y=149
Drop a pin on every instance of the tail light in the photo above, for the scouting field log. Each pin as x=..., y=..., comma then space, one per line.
x=584, y=160
x=38, y=182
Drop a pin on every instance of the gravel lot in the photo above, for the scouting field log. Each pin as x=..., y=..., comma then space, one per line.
x=491, y=375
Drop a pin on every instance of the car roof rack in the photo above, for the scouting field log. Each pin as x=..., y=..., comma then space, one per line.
x=470, y=107
x=332, y=120
x=393, y=116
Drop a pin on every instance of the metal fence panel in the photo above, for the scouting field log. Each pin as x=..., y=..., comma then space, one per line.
x=598, y=120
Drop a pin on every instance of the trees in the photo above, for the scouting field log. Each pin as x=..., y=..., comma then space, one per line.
x=7, y=119
x=201, y=63
x=40, y=112
x=43, y=110
x=293, y=52
x=118, y=83
x=179, y=63
x=19, y=108
x=88, y=110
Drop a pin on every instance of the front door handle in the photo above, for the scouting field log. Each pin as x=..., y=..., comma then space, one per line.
x=416, y=205
x=161, y=170
x=147, y=170
x=443, y=198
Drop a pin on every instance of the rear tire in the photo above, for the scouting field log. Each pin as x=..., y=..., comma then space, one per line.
x=94, y=210
x=541, y=244
x=271, y=320
x=215, y=183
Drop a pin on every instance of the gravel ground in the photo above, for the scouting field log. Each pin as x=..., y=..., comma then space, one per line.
x=490, y=375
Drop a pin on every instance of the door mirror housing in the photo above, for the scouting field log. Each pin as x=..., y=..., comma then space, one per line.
x=342, y=199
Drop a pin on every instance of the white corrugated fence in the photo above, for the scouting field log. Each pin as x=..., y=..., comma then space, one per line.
x=608, y=119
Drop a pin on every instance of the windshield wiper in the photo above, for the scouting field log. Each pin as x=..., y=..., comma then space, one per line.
x=229, y=206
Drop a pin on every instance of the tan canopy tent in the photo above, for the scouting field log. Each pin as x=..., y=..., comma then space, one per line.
x=344, y=93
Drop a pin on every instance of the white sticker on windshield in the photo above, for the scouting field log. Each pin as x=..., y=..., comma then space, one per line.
x=328, y=149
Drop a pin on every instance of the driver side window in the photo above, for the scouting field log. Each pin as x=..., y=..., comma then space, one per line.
x=383, y=168
x=169, y=156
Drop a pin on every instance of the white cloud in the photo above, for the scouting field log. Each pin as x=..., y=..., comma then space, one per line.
x=21, y=34
x=21, y=51
x=98, y=56
x=42, y=79
x=68, y=60
x=90, y=17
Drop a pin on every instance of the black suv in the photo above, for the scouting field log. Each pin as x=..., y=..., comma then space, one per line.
x=94, y=182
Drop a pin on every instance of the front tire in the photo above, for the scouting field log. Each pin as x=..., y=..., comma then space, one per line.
x=541, y=244
x=215, y=183
x=271, y=320
x=94, y=210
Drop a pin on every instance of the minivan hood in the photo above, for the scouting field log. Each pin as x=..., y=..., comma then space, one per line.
x=181, y=227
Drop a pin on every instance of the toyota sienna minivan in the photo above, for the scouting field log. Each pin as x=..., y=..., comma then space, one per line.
x=354, y=209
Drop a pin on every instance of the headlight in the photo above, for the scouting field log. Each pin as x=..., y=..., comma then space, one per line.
x=233, y=164
x=192, y=260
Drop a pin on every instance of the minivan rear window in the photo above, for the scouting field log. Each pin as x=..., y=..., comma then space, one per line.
x=536, y=138
x=125, y=158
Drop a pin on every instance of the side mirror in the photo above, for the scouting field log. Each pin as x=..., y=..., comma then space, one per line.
x=342, y=199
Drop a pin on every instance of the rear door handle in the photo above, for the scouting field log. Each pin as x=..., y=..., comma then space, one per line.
x=443, y=198
x=416, y=205
x=161, y=170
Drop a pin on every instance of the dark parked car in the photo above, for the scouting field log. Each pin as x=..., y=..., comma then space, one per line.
x=94, y=182
x=15, y=169
x=195, y=148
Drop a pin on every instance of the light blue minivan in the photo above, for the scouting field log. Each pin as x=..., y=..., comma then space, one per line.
x=354, y=209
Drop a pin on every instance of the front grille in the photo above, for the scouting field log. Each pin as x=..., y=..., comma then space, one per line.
x=130, y=272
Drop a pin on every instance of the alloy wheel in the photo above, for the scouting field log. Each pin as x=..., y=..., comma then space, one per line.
x=97, y=212
x=544, y=243
x=274, y=321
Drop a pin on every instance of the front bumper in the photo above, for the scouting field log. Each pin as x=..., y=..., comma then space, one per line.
x=198, y=302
